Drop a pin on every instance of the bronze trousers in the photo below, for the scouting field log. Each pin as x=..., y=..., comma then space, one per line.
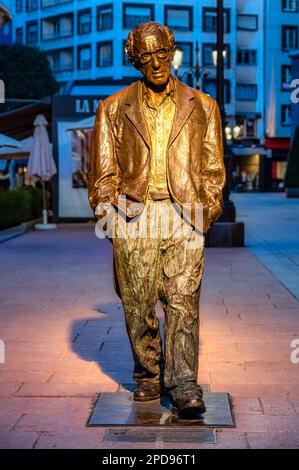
x=168, y=267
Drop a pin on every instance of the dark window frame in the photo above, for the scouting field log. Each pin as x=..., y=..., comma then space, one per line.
x=19, y=6
x=251, y=16
x=286, y=88
x=252, y=85
x=57, y=3
x=209, y=44
x=227, y=87
x=79, y=49
x=151, y=6
x=58, y=51
x=283, y=8
x=20, y=29
x=100, y=8
x=187, y=43
x=52, y=19
x=244, y=50
x=30, y=23
x=81, y=13
x=103, y=43
x=29, y=9
x=227, y=23
x=283, y=29
x=281, y=114
x=190, y=10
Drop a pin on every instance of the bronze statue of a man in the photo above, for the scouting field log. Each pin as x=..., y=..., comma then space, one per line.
x=158, y=143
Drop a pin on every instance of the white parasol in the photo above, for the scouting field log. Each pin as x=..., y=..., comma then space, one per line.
x=41, y=162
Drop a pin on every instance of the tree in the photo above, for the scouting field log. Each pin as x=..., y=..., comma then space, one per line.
x=26, y=73
x=292, y=173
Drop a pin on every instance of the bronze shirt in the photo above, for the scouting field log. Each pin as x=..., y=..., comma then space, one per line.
x=159, y=123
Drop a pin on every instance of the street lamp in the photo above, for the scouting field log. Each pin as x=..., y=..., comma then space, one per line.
x=215, y=55
x=195, y=71
x=227, y=232
x=177, y=60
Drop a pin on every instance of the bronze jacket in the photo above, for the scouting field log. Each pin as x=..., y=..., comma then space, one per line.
x=120, y=156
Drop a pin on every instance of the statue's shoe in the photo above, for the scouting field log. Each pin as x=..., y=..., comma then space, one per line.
x=146, y=391
x=189, y=407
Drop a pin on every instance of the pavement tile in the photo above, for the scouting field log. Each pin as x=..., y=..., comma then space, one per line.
x=18, y=440
x=273, y=440
x=246, y=405
x=62, y=351
x=277, y=406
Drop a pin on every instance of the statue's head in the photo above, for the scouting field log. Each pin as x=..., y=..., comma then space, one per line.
x=150, y=48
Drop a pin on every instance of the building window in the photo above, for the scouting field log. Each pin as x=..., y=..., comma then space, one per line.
x=290, y=5
x=31, y=5
x=246, y=92
x=179, y=18
x=289, y=37
x=104, y=54
x=286, y=115
x=105, y=17
x=209, y=87
x=247, y=126
x=57, y=27
x=84, y=57
x=19, y=35
x=247, y=22
x=210, y=20
x=61, y=60
x=134, y=14
x=31, y=33
x=246, y=57
x=187, y=48
x=286, y=77
x=84, y=22
x=53, y=3
x=19, y=6
x=208, y=57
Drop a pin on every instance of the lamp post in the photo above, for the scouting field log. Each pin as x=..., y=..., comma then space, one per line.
x=229, y=211
x=177, y=60
x=197, y=71
x=226, y=232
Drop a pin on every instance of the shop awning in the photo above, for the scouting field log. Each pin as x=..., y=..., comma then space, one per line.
x=278, y=143
x=248, y=151
x=18, y=123
x=86, y=123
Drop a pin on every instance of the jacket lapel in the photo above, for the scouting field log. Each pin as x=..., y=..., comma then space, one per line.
x=133, y=105
x=184, y=107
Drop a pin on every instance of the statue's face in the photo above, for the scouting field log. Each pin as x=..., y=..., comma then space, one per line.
x=155, y=59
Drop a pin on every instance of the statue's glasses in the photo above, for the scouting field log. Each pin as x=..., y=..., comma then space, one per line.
x=147, y=56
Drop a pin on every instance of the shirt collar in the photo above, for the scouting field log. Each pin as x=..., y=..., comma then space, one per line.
x=169, y=91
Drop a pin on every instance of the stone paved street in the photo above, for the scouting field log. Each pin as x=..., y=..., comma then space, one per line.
x=65, y=340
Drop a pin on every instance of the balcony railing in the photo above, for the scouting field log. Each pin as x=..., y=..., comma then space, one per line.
x=53, y=3
x=61, y=67
x=56, y=35
x=85, y=64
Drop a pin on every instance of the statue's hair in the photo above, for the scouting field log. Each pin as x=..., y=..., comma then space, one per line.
x=140, y=32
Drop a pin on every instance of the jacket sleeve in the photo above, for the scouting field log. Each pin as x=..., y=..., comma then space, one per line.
x=103, y=173
x=213, y=169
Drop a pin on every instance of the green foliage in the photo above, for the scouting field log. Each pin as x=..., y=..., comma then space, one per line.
x=26, y=73
x=292, y=173
x=20, y=205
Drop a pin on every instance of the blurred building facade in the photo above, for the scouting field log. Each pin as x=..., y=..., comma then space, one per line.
x=85, y=40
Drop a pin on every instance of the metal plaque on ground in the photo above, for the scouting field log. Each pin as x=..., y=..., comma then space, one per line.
x=119, y=409
x=181, y=435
